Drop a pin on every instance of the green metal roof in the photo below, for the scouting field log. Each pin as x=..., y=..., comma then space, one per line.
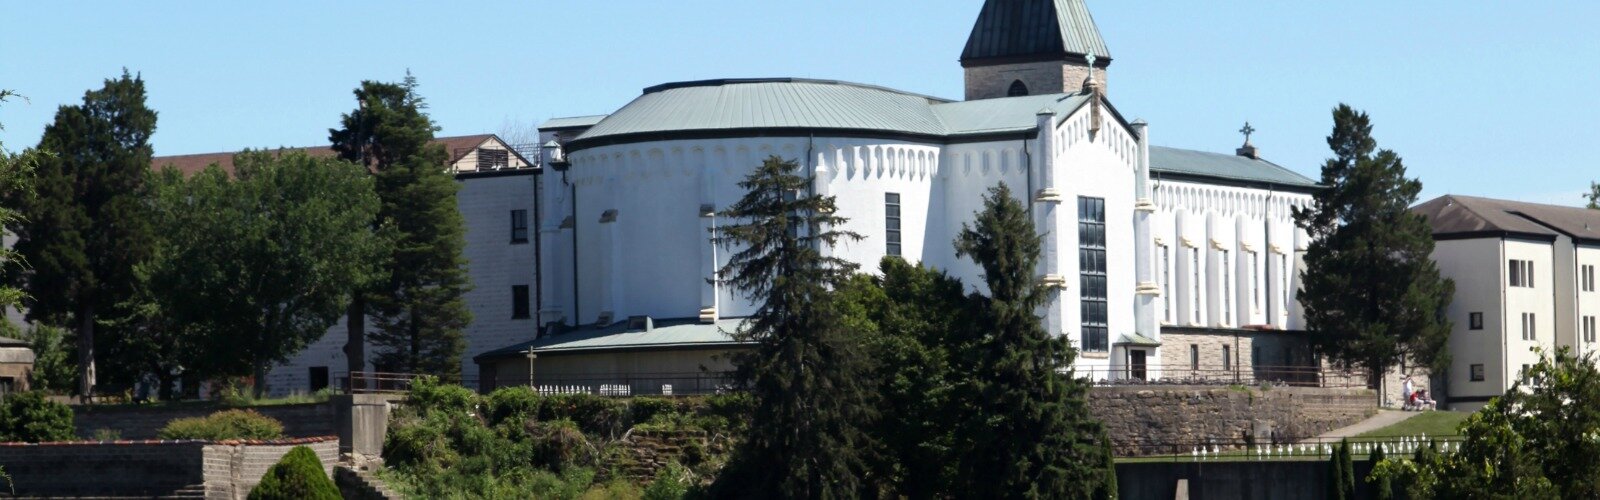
x=1010, y=114
x=1038, y=29
x=679, y=333
x=571, y=122
x=1223, y=166
x=1137, y=340
x=797, y=104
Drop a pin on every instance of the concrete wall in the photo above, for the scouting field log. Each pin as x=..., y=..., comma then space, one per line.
x=1144, y=420
x=148, y=468
x=1278, y=480
x=144, y=422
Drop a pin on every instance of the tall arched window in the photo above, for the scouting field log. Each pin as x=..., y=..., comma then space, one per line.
x=1017, y=89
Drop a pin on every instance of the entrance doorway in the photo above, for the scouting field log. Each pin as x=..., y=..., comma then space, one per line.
x=1136, y=364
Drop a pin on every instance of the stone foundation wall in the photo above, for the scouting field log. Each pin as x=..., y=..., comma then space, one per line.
x=149, y=468
x=646, y=452
x=144, y=422
x=1145, y=420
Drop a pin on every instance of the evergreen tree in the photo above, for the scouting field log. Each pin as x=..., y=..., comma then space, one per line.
x=805, y=372
x=1373, y=296
x=84, y=228
x=1340, y=468
x=418, y=302
x=16, y=179
x=1029, y=433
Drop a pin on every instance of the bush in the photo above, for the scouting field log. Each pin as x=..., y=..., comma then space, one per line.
x=515, y=404
x=298, y=475
x=645, y=409
x=428, y=395
x=672, y=483
x=229, y=424
x=595, y=415
x=30, y=417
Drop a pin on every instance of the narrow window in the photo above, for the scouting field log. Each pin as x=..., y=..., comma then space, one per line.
x=1194, y=285
x=1475, y=321
x=1515, y=270
x=1227, y=357
x=519, y=302
x=1092, y=273
x=1477, y=372
x=1529, y=274
x=519, y=226
x=1018, y=89
x=891, y=223
x=1227, y=289
x=1194, y=357
x=1288, y=282
x=1166, y=283
x=1255, y=281
x=1586, y=278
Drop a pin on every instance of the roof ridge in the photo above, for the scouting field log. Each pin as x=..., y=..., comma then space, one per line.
x=723, y=82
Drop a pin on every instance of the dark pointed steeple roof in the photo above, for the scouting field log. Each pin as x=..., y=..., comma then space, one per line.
x=1024, y=30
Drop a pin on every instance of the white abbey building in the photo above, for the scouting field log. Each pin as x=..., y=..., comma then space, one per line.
x=1161, y=261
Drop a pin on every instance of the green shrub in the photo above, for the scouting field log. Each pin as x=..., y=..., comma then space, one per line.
x=298, y=475
x=30, y=417
x=645, y=409
x=107, y=434
x=428, y=395
x=727, y=412
x=512, y=403
x=596, y=415
x=672, y=483
x=558, y=444
x=228, y=424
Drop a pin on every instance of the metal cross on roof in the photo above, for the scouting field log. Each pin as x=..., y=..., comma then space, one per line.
x=1247, y=130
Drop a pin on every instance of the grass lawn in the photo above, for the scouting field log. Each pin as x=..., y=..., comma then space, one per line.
x=1432, y=423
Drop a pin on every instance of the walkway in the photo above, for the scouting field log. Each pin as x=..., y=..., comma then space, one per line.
x=1384, y=418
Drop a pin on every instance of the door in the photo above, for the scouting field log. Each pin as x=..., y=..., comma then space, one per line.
x=1136, y=363
x=319, y=378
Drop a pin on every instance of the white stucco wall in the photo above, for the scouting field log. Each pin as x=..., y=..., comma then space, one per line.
x=1538, y=299
x=1588, y=302
x=1478, y=269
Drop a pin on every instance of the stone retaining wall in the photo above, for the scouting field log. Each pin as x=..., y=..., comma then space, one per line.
x=1145, y=420
x=144, y=422
x=227, y=469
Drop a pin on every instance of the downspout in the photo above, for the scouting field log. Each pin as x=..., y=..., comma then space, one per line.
x=576, y=298
x=1504, y=362
x=538, y=243
x=1027, y=158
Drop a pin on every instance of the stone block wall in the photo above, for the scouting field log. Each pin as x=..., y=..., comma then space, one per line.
x=1043, y=77
x=144, y=422
x=1145, y=420
x=149, y=468
x=646, y=453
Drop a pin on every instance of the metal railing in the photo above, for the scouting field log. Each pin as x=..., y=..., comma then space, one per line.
x=1311, y=448
x=1191, y=374
x=619, y=385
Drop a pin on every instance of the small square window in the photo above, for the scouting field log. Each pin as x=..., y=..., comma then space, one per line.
x=1475, y=321
x=1477, y=372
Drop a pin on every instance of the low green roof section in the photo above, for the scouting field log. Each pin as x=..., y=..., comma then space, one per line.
x=571, y=122
x=1242, y=169
x=687, y=333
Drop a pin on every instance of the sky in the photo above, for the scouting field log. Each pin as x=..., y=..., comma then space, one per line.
x=1496, y=99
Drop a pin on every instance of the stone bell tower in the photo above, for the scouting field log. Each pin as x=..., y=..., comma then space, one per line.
x=1032, y=47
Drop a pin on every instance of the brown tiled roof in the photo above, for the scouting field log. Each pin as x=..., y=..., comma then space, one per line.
x=456, y=147
x=1466, y=216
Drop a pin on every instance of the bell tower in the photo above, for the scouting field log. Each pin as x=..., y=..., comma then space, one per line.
x=1032, y=47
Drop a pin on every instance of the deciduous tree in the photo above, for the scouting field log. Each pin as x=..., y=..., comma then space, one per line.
x=1372, y=296
x=806, y=373
x=264, y=264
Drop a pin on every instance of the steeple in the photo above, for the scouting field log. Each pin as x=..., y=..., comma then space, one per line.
x=1022, y=47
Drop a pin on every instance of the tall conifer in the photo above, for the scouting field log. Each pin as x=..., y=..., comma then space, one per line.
x=84, y=228
x=418, y=303
x=1373, y=296
x=1030, y=434
x=806, y=373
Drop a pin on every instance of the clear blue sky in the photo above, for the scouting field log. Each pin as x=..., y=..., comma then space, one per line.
x=1495, y=99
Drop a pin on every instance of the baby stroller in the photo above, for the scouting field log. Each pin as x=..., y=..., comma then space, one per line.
x=1419, y=401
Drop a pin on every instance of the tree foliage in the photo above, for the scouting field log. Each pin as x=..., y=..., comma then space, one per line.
x=84, y=229
x=1030, y=433
x=1372, y=296
x=262, y=265
x=1341, y=473
x=417, y=303
x=29, y=417
x=16, y=182
x=807, y=375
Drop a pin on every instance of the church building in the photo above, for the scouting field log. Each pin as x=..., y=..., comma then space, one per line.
x=1160, y=262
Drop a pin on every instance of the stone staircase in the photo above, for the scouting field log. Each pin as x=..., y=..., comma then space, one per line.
x=361, y=484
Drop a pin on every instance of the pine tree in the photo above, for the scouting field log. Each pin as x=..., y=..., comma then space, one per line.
x=418, y=302
x=1339, y=468
x=1030, y=433
x=1373, y=296
x=84, y=229
x=1379, y=487
x=805, y=372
